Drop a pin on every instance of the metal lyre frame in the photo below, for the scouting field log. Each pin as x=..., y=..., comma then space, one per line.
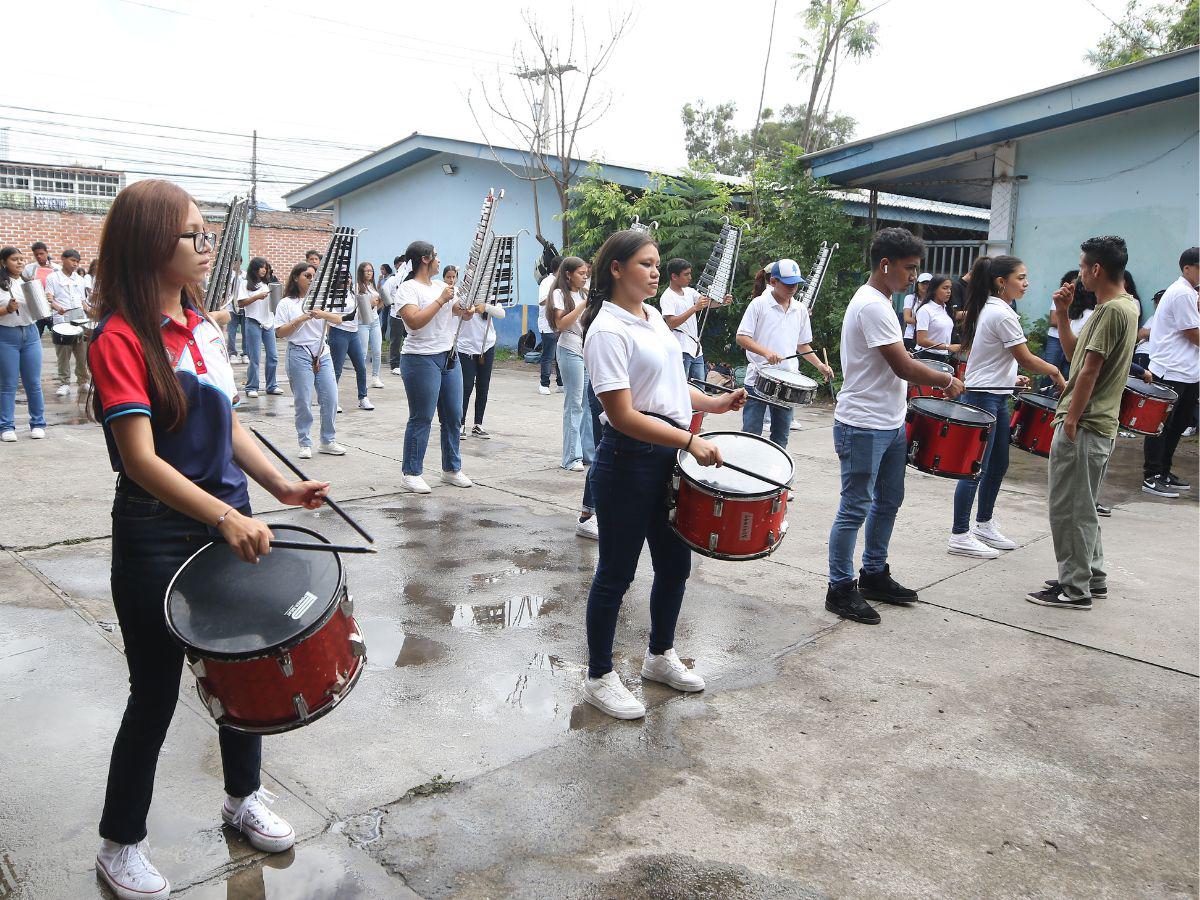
x=816, y=277
x=504, y=280
x=331, y=285
x=717, y=278
x=222, y=277
x=470, y=285
x=636, y=225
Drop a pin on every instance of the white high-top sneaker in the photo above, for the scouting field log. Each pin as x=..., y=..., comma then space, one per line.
x=263, y=829
x=128, y=872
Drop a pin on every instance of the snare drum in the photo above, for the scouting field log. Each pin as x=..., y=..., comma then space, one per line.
x=1032, y=423
x=725, y=514
x=697, y=422
x=782, y=384
x=946, y=438
x=65, y=334
x=1145, y=408
x=925, y=390
x=273, y=646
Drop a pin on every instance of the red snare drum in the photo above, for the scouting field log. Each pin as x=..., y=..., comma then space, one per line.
x=1145, y=408
x=1032, y=423
x=273, y=646
x=925, y=390
x=725, y=514
x=960, y=368
x=697, y=422
x=947, y=438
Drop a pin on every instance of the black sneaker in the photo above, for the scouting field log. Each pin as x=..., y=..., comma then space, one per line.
x=1177, y=483
x=848, y=603
x=1055, y=597
x=1097, y=593
x=881, y=587
x=1157, y=485
x=1102, y=510
x=478, y=432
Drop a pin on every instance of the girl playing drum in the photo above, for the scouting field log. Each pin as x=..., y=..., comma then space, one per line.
x=636, y=369
x=165, y=392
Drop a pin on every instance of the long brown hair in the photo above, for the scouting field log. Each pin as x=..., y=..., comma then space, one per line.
x=292, y=289
x=620, y=247
x=140, y=235
x=562, y=282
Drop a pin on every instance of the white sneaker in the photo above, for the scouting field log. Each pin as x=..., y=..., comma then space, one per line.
x=8, y=437
x=396, y=371
x=276, y=392
x=795, y=426
x=263, y=829
x=37, y=433
x=416, y=484
x=968, y=545
x=86, y=386
x=245, y=360
x=542, y=389
x=559, y=389
x=990, y=535
x=588, y=528
x=128, y=872
x=458, y=479
x=376, y=382
x=609, y=695
x=576, y=466
x=334, y=449
x=251, y=394
x=63, y=390
x=365, y=403
x=669, y=669
x=339, y=407
x=305, y=453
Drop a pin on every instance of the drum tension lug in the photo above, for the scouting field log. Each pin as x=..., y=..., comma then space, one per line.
x=671, y=514
x=285, y=663
x=301, y=707
x=775, y=505
x=358, y=646
x=718, y=508
x=945, y=429
x=197, y=667
x=347, y=606
x=713, y=538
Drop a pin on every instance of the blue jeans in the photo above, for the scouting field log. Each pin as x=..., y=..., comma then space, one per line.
x=995, y=464
x=549, y=345
x=344, y=343
x=303, y=381
x=254, y=338
x=693, y=367
x=375, y=344
x=595, y=408
x=236, y=319
x=578, y=442
x=21, y=358
x=1053, y=354
x=872, y=463
x=756, y=409
x=630, y=479
x=431, y=386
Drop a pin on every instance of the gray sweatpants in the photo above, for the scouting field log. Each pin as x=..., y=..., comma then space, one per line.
x=1075, y=475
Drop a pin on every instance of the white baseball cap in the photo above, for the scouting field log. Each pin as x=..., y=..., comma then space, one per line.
x=924, y=277
x=787, y=271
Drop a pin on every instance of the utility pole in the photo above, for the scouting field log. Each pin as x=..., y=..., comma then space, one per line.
x=542, y=110
x=250, y=213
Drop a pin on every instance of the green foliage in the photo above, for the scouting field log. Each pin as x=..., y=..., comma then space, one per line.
x=711, y=139
x=1147, y=31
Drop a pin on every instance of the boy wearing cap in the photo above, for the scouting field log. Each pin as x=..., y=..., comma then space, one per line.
x=910, y=311
x=774, y=326
x=66, y=293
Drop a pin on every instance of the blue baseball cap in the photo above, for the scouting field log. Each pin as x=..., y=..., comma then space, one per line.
x=787, y=271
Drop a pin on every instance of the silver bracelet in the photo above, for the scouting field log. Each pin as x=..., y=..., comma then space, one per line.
x=221, y=517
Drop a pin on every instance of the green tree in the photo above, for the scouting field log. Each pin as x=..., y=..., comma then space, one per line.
x=1147, y=31
x=838, y=29
x=712, y=140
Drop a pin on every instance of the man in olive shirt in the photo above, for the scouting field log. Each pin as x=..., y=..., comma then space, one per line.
x=1085, y=425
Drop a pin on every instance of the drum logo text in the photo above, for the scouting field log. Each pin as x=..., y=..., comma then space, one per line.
x=301, y=606
x=747, y=526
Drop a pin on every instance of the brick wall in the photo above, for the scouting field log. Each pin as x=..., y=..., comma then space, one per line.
x=281, y=236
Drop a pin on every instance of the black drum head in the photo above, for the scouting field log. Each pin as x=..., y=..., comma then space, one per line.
x=222, y=607
x=1155, y=390
x=1042, y=400
x=952, y=411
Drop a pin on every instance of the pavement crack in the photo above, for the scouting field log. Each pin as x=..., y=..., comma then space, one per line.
x=68, y=542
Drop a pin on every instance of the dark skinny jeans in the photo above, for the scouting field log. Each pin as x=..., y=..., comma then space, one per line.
x=149, y=546
x=595, y=408
x=477, y=376
x=1159, y=450
x=630, y=481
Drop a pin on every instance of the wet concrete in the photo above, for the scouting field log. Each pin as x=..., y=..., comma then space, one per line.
x=975, y=745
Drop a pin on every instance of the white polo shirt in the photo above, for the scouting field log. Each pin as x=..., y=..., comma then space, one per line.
x=310, y=335
x=910, y=302
x=990, y=361
x=1172, y=356
x=68, y=291
x=259, y=310
x=623, y=351
x=933, y=318
x=769, y=324
x=872, y=395
x=673, y=304
x=437, y=336
x=544, y=288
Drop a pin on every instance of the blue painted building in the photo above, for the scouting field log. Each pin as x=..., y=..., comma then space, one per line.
x=1112, y=153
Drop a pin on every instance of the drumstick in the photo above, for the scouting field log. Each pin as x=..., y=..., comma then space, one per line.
x=832, y=389
x=295, y=545
x=296, y=470
x=705, y=385
x=798, y=355
x=770, y=481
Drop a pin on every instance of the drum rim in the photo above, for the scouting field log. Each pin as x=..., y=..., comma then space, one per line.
x=734, y=557
x=942, y=418
x=771, y=491
x=340, y=593
x=1135, y=384
x=766, y=371
x=77, y=329
x=1033, y=398
x=936, y=364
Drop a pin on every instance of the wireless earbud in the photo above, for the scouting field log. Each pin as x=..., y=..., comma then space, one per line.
x=885, y=268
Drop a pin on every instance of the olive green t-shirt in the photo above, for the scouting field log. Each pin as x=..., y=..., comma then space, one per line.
x=1112, y=332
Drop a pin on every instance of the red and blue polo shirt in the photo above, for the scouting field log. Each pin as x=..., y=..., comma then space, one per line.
x=202, y=449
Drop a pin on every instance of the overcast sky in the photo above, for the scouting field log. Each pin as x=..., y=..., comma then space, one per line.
x=363, y=73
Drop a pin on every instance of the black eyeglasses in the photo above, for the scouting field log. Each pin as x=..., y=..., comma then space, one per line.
x=201, y=239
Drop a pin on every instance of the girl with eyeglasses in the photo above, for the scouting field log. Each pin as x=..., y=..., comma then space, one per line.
x=165, y=392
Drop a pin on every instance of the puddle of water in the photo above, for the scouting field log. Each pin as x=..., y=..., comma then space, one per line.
x=517, y=612
x=492, y=523
x=309, y=872
x=486, y=578
x=389, y=645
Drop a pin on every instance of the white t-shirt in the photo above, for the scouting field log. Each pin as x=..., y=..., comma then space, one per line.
x=351, y=324
x=767, y=323
x=673, y=304
x=572, y=338
x=933, y=318
x=624, y=351
x=477, y=335
x=1052, y=331
x=872, y=395
x=1172, y=356
x=1144, y=346
x=68, y=291
x=910, y=301
x=438, y=334
x=21, y=316
x=990, y=361
x=259, y=310
x=1077, y=324
x=310, y=335
x=544, y=287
